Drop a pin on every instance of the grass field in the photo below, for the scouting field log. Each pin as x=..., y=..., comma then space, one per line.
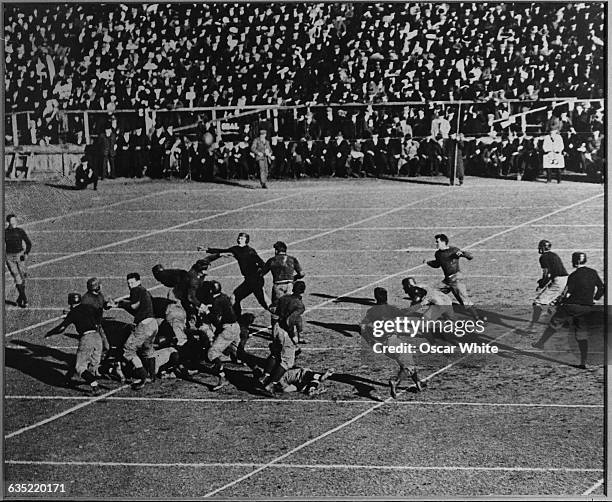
x=516, y=423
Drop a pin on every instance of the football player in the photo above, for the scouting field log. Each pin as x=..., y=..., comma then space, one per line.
x=251, y=266
x=89, y=351
x=382, y=311
x=286, y=333
x=141, y=340
x=226, y=335
x=16, y=256
x=551, y=284
x=584, y=288
x=95, y=298
x=447, y=258
x=304, y=380
x=285, y=270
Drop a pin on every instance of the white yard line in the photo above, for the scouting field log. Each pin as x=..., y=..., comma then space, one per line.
x=594, y=487
x=298, y=400
x=52, y=418
x=314, y=276
x=303, y=251
x=152, y=233
x=306, y=229
x=375, y=407
x=305, y=466
x=337, y=209
x=94, y=209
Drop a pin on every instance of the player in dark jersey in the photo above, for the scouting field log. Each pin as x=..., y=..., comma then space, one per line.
x=185, y=283
x=16, y=255
x=251, y=266
x=286, y=334
x=95, y=298
x=140, y=305
x=447, y=258
x=584, y=288
x=89, y=352
x=381, y=312
x=285, y=270
x=304, y=380
x=551, y=284
x=226, y=334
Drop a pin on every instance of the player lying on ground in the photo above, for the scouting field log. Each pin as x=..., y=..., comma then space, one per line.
x=304, y=380
x=251, y=266
x=382, y=311
x=576, y=306
x=286, y=333
x=91, y=344
x=447, y=258
x=551, y=284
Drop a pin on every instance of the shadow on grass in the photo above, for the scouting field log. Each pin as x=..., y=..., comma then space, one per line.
x=416, y=180
x=340, y=327
x=346, y=299
x=37, y=361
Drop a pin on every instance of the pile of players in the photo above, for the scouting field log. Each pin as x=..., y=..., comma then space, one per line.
x=196, y=326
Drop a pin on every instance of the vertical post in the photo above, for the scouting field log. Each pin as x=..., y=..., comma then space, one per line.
x=86, y=127
x=456, y=147
x=15, y=131
x=217, y=124
x=275, y=120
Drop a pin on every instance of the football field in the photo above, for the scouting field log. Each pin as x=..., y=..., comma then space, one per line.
x=515, y=423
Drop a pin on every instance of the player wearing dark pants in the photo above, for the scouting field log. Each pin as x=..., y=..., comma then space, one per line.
x=140, y=305
x=304, y=380
x=89, y=352
x=447, y=258
x=226, y=336
x=14, y=239
x=382, y=311
x=285, y=270
x=551, y=284
x=286, y=335
x=251, y=266
x=584, y=288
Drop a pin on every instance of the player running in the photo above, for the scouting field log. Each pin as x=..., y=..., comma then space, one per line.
x=447, y=258
x=584, y=288
x=285, y=270
x=382, y=311
x=14, y=239
x=251, y=266
x=226, y=335
x=89, y=352
x=551, y=284
x=140, y=305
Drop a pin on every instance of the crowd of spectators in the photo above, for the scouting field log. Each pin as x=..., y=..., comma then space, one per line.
x=376, y=143
x=110, y=57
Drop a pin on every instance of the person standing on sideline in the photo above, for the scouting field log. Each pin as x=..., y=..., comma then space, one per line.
x=553, y=159
x=14, y=239
x=263, y=155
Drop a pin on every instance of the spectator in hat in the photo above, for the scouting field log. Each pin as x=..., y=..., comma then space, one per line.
x=107, y=145
x=85, y=175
